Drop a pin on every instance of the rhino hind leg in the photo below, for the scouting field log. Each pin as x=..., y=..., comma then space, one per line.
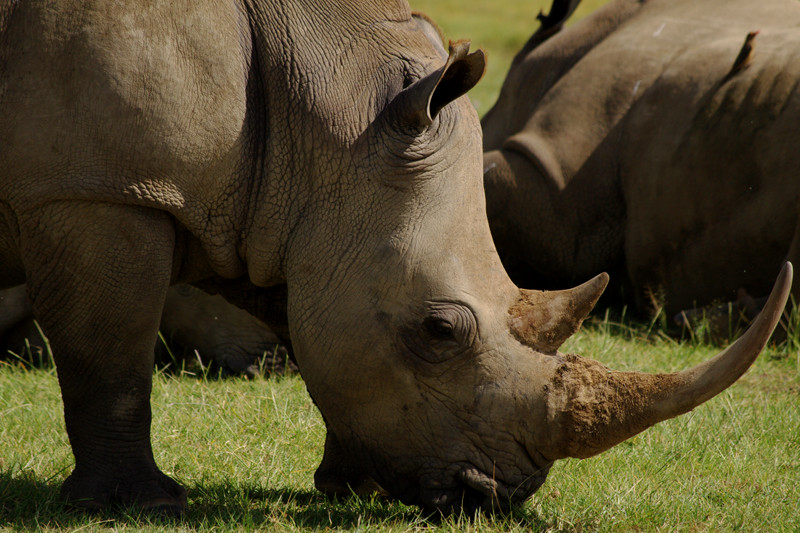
x=98, y=275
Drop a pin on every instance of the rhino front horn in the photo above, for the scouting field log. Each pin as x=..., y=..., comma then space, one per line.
x=593, y=408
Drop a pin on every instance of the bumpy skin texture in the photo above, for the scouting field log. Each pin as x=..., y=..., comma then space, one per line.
x=315, y=163
x=634, y=142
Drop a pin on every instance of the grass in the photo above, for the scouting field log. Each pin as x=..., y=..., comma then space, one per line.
x=247, y=450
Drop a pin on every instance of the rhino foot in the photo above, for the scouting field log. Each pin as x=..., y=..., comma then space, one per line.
x=158, y=495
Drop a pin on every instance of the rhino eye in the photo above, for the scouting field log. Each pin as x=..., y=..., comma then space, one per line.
x=439, y=327
x=448, y=321
x=447, y=330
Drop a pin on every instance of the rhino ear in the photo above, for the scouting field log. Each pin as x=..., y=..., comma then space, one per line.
x=427, y=96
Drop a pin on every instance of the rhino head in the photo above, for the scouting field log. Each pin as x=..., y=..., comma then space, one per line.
x=443, y=383
x=472, y=410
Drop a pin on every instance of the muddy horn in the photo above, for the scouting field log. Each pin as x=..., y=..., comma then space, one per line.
x=543, y=320
x=593, y=408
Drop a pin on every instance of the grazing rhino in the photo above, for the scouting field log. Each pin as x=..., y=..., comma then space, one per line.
x=315, y=163
x=654, y=139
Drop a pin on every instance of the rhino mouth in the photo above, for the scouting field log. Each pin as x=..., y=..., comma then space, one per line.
x=468, y=489
x=464, y=485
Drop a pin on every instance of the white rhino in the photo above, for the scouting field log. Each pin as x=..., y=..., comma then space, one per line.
x=318, y=151
x=655, y=140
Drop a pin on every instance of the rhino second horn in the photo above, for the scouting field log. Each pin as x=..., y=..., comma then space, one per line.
x=592, y=408
x=543, y=320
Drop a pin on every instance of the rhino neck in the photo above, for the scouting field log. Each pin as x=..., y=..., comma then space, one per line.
x=305, y=118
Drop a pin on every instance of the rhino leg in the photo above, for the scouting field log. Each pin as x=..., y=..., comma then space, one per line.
x=98, y=275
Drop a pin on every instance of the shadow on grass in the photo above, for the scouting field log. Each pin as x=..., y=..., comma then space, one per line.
x=254, y=506
x=27, y=503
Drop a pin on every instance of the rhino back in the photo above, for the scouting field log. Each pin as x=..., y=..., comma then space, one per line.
x=533, y=75
x=721, y=139
x=141, y=103
x=640, y=141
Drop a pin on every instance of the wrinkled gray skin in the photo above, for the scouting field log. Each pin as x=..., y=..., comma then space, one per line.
x=634, y=142
x=316, y=155
x=194, y=324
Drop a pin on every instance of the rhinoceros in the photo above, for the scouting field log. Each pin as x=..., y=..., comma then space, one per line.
x=318, y=164
x=655, y=140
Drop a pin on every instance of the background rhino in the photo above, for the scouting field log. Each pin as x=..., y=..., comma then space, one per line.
x=654, y=140
x=316, y=164
x=194, y=324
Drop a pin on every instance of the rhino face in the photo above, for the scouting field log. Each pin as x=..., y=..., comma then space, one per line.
x=457, y=411
x=442, y=380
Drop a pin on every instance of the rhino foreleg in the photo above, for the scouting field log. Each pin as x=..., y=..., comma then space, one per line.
x=98, y=275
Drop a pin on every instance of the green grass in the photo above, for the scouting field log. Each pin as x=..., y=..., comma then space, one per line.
x=247, y=450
